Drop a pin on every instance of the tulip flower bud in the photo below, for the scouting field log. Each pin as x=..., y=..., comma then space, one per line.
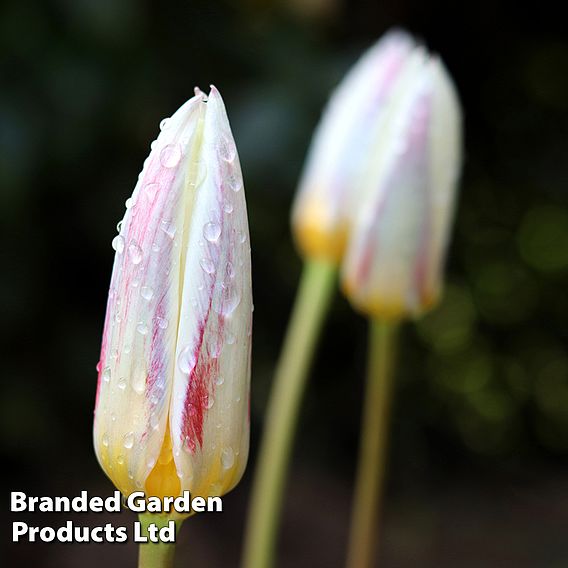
x=342, y=146
x=394, y=262
x=174, y=372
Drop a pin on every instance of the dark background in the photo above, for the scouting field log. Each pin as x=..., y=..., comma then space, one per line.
x=478, y=467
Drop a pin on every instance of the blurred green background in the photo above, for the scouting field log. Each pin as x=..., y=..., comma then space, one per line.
x=478, y=470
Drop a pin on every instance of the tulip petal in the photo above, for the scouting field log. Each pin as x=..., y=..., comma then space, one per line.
x=136, y=370
x=209, y=410
x=353, y=119
x=394, y=260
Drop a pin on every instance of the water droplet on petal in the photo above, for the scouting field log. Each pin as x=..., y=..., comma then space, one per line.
x=154, y=421
x=162, y=322
x=156, y=247
x=146, y=292
x=151, y=190
x=106, y=374
x=230, y=339
x=139, y=384
x=128, y=440
x=230, y=269
x=235, y=182
x=219, y=380
x=242, y=237
x=120, y=459
x=228, y=207
x=98, y=367
x=105, y=440
x=232, y=300
x=121, y=383
x=212, y=232
x=210, y=402
x=168, y=228
x=119, y=225
x=215, y=347
x=227, y=458
x=164, y=124
x=170, y=156
x=135, y=253
x=142, y=328
x=227, y=149
x=129, y=203
x=118, y=244
x=207, y=265
x=186, y=360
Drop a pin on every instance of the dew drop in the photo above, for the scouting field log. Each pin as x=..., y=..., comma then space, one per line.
x=154, y=421
x=215, y=347
x=119, y=225
x=230, y=269
x=151, y=190
x=235, y=182
x=211, y=232
x=228, y=207
x=135, y=253
x=151, y=462
x=120, y=459
x=105, y=440
x=146, y=292
x=242, y=237
x=139, y=384
x=230, y=339
x=156, y=247
x=129, y=203
x=164, y=124
x=210, y=402
x=219, y=380
x=106, y=374
x=128, y=440
x=232, y=300
x=142, y=328
x=227, y=458
x=170, y=156
x=207, y=265
x=162, y=322
x=169, y=229
x=98, y=367
x=186, y=360
x=118, y=244
x=121, y=383
x=227, y=149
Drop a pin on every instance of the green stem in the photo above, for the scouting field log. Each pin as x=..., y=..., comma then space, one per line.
x=156, y=554
x=374, y=439
x=312, y=302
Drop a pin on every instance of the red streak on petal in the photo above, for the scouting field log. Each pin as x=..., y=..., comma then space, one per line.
x=201, y=379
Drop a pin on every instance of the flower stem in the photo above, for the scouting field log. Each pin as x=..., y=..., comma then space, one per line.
x=313, y=299
x=374, y=439
x=156, y=554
